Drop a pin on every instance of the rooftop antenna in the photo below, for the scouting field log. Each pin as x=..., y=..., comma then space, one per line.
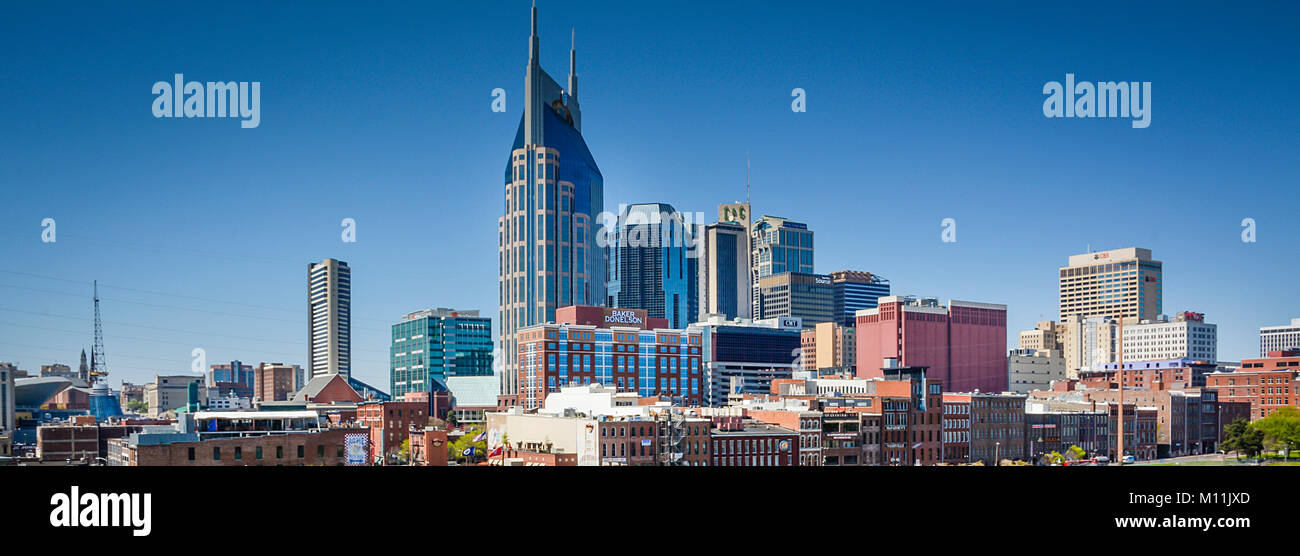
x=98, y=369
x=747, y=179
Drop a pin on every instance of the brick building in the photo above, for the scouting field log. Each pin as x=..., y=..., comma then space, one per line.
x=1266, y=383
x=308, y=447
x=956, y=428
x=621, y=348
x=738, y=442
x=389, y=424
x=964, y=344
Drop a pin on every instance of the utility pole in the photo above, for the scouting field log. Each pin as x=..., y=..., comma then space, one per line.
x=1119, y=374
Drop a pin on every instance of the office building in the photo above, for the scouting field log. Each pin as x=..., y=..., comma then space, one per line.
x=276, y=382
x=808, y=297
x=1266, y=383
x=854, y=290
x=964, y=343
x=619, y=348
x=831, y=347
x=1121, y=283
x=329, y=318
x=653, y=265
x=724, y=271
x=1034, y=369
x=1088, y=342
x=234, y=372
x=1045, y=335
x=437, y=344
x=549, y=256
x=744, y=357
x=1185, y=336
x=1279, y=338
x=777, y=246
x=7, y=410
x=171, y=392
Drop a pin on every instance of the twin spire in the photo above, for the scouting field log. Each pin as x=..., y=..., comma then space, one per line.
x=534, y=52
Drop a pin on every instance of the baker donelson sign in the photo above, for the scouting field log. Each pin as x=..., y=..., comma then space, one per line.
x=623, y=317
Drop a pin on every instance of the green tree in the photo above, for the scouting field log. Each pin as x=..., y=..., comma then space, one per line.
x=456, y=450
x=404, y=451
x=1074, y=453
x=1053, y=458
x=1281, y=428
x=1243, y=438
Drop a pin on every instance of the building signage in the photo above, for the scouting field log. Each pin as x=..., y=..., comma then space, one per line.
x=785, y=445
x=623, y=316
x=354, y=448
x=842, y=435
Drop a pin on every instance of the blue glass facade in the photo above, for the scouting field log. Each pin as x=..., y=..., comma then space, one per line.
x=554, y=194
x=653, y=265
x=430, y=346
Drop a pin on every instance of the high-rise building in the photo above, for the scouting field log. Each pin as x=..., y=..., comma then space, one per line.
x=830, y=345
x=554, y=192
x=1046, y=335
x=653, y=264
x=1122, y=283
x=1185, y=336
x=808, y=297
x=777, y=245
x=329, y=318
x=433, y=345
x=1088, y=343
x=724, y=271
x=276, y=382
x=854, y=290
x=964, y=344
x=1279, y=338
x=233, y=372
x=7, y=410
x=744, y=357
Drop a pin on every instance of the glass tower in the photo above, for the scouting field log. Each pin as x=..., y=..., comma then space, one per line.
x=653, y=264
x=434, y=345
x=554, y=192
x=779, y=246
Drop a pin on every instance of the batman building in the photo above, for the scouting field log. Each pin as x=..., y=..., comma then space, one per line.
x=554, y=193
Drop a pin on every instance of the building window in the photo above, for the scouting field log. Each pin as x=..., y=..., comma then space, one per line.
x=216, y=453
x=191, y=454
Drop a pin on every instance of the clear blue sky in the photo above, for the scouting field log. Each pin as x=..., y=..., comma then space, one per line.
x=381, y=113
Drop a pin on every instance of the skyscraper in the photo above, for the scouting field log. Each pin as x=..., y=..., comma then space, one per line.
x=1125, y=283
x=329, y=318
x=724, y=273
x=434, y=345
x=777, y=245
x=855, y=290
x=653, y=264
x=554, y=193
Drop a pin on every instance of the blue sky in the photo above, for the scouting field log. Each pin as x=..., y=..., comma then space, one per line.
x=200, y=231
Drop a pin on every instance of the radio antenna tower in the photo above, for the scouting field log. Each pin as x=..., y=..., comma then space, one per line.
x=98, y=369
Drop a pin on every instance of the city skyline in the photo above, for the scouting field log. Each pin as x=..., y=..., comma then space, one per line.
x=207, y=242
